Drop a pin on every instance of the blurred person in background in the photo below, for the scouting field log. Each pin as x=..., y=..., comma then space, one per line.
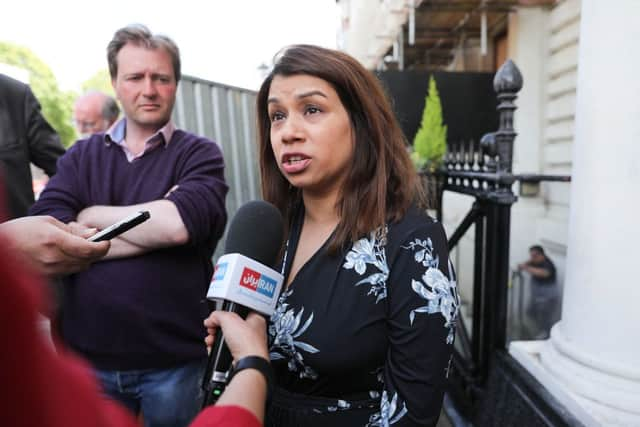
x=25, y=138
x=543, y=309
x=94, y=112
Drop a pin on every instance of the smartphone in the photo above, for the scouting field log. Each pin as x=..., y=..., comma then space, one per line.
x=120, y=227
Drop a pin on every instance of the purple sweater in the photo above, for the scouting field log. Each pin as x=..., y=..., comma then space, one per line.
x=146, y=311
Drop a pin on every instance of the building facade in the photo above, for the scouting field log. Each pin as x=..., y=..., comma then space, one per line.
x=576, y=116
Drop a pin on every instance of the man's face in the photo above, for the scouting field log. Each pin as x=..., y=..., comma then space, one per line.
x=146, y=86
x=87, y=116
x=536, y=256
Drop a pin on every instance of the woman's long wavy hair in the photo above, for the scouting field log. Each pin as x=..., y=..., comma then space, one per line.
x=382, y=182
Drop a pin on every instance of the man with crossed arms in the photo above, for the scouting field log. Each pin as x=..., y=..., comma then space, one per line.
x=137, y=315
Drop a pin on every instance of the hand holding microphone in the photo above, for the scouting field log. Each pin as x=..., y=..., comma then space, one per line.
x=243, y=281
x=244, y=338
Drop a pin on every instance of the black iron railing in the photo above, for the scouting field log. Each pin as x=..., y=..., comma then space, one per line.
x=483, y=170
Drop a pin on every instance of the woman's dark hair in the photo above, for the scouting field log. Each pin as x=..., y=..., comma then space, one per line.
x=382, y=182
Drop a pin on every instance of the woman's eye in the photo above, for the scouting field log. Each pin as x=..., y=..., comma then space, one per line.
x=312, y=110
x=277, y=116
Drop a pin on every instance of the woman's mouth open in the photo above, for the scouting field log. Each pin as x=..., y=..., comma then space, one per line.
x=295, y=163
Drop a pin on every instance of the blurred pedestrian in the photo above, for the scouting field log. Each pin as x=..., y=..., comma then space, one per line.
x=94, y=112
x=25, y=138
x=544, y=300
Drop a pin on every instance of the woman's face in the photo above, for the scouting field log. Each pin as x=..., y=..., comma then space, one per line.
x=311, y=133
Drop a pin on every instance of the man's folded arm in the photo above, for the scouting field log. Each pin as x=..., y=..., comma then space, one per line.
x=164, y=228
x=190, y=213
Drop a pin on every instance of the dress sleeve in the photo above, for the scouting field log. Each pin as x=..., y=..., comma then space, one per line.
x=200, y=192
x=422, y=311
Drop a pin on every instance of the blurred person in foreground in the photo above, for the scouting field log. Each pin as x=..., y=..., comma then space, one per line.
x=59, y=384
x=50, y=247
x=363, y=332
x=94, y=112
x=57, y=389
x=136, y=315
x=25, y=137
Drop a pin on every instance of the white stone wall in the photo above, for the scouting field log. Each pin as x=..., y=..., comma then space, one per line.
x=369, y=28
x=590, y=363
x=544, y=121
x=543, y=43
x=527, y=47
x=558, y=127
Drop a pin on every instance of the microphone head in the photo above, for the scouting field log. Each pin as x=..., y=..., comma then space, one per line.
x=256, y=231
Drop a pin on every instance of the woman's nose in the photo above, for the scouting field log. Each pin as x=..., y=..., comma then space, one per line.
x=291, y=130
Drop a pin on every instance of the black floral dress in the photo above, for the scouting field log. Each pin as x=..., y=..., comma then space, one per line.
x=365, y=338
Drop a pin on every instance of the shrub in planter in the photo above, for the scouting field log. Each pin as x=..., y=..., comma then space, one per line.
x=430, y=142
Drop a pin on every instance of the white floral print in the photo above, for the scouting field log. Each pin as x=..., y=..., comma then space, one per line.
x=390, y=412
x=420, y=283
x=283, y=328
x=370, y=251
x=440, y=292
x=424, y=254
x=341, y=405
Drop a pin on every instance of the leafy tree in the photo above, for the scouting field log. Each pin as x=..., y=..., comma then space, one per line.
x=56, y=105
x=100, y=81
x=430, y=142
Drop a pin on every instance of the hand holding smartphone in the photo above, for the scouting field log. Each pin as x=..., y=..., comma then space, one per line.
x=120, y=227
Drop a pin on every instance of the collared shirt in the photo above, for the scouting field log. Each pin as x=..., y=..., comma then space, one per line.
x=117, y=135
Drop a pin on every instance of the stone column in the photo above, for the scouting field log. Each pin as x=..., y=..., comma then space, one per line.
x=591, y=363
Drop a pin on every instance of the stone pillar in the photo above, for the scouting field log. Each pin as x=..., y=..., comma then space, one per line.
x=591, y=363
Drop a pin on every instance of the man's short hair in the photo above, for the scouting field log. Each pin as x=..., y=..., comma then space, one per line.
x=110, y=109
x=537, y=248
x=139, y=35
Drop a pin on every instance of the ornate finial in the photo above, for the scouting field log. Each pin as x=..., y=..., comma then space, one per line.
x=488, y=144
x=489, y=148
x=508, y=78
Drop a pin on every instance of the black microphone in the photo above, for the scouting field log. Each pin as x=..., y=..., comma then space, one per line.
x=244, y=280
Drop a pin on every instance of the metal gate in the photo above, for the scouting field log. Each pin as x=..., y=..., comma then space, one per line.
x=486, y=385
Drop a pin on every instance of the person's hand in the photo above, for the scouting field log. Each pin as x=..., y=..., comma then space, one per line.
x=81, y=230
x=248, y=388
x=84, y=218
x=244, y=337
x=51, y=247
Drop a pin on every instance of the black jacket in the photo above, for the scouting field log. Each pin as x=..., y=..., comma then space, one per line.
x=25, y=137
